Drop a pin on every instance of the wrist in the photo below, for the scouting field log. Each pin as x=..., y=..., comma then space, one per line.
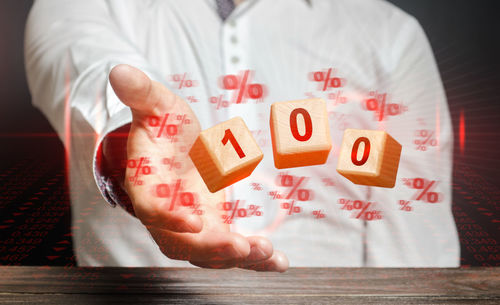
x=112, y=163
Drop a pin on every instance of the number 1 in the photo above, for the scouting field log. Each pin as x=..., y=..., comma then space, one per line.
x=228, y=135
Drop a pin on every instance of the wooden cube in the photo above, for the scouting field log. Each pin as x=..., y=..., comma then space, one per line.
x=369, y=157
x=225, y=154
x=300, y=133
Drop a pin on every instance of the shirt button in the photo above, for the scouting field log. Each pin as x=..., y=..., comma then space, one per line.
x=231, y=23
x=235, y=59
x=234, y=40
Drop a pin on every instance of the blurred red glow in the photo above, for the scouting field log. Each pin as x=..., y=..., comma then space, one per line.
x=462, y=132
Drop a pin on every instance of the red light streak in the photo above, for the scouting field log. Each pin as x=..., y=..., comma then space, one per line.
x=462, y=132
x=67, y=117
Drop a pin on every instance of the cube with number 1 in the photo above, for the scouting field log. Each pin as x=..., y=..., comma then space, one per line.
x=225, y=154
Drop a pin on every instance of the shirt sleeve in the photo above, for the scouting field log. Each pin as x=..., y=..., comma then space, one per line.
x=426, y=235
x=70, y=48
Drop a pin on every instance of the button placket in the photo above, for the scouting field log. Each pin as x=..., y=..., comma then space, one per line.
x=232, y=48
x=235, y=59
x=238, y=63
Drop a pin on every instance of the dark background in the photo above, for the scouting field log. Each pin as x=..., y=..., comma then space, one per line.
x=464, y=36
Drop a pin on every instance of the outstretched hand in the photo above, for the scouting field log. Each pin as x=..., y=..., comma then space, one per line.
x=203, y=240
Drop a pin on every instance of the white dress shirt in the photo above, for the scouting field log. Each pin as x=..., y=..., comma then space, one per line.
x=71, y=46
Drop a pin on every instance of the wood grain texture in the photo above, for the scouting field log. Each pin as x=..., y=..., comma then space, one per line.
x=300, y=133
x=369, y=157
x=57, y=285
x=222, y=163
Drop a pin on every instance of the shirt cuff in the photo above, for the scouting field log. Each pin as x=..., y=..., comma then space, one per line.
x=108, y=182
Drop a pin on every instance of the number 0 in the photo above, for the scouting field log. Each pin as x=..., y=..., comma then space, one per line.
x=366, y=152
x=307, y=122
x=228, y=135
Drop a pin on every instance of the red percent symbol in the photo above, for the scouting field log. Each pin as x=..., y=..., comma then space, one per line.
x=171, y=163
x=141, y=167
x=405, y=205
x=326, y=79
x=318, y=214
x=244, y=89
x=361, y=209
x=176, y=196
x=168, y=130
x=425, y=188
x=425, y=138
x=219, y=102
x=377, y=103
x=183, y=82
x=236, y=211
x=291, y=207
x=293, y=183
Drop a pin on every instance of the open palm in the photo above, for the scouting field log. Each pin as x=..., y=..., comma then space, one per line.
x=168, y=198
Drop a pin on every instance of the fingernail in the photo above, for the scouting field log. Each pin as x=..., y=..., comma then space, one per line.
x=257, y=254
x=185, y=227
x=230, y=251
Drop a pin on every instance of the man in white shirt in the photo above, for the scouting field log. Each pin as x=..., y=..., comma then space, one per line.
x=372, y=49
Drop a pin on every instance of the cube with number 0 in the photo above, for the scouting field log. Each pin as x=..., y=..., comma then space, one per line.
x=300, y=133
x=225, y=154
x=369, y=157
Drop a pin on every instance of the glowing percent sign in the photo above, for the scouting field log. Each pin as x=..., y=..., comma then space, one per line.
x=378, y=105
x=192, y=99
x=219, y=102
x=327, y=80
x=293, y=183
x=318, y=214
x=173, y=191
x=405, y=205
x=170, y=130
x=140, y=168
x=426, y=138
x=235, y=211
x=361, y=208
x=425, y=186
x=291, y=207
x=337, y=98
x=171, y=163
x=183, y=82
x=256, y=186
x=244, y=89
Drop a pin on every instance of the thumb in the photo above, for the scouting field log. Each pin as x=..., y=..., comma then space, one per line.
x=136, y=90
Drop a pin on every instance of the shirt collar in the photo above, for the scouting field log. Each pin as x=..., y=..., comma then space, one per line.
x=247, y=3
